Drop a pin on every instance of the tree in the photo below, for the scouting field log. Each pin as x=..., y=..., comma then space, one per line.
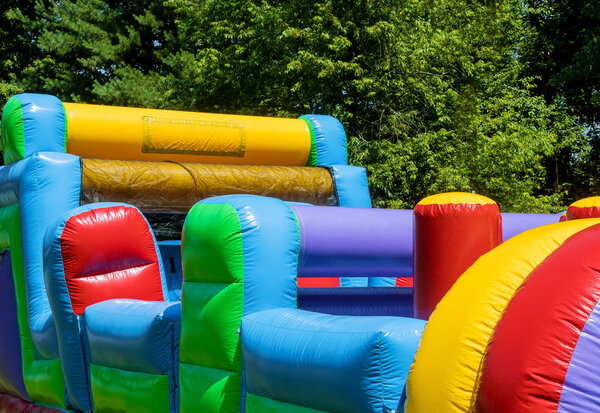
x=433, y=94
x=100, y=51
x=18, y=48
x=561, y=51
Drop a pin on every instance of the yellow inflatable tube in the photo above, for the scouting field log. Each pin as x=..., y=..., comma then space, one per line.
x=110, y=132
x=445, y=374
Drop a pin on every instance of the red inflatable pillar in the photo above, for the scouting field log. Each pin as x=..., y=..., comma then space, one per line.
x=584, y=208
x=452, y=230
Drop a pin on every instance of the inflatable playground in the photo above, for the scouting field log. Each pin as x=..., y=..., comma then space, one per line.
x=164, y=261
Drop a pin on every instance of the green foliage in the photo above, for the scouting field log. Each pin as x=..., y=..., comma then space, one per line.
x=435, y=95
x=431, y=93
x=476, y=125
x=17, y=48
x=99, y=51
x=561, y=50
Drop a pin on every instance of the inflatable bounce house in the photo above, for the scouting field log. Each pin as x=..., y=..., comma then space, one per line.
x=163, y=261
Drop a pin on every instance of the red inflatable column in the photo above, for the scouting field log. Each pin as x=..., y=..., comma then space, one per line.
x=452, y=230
x=584, y=208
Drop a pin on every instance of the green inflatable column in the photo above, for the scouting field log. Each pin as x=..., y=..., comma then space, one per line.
x=212, y=305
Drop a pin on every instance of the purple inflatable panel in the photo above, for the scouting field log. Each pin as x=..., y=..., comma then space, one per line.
x=358, y=301
x=513, y=224
x=354, y=242
x=11, y=369
x=581, y=389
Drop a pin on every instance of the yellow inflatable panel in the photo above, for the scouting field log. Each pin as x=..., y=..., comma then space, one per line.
x=445, y=373
x=109, y=132
x=590, y=202
x=176, y=187
x=456, y=198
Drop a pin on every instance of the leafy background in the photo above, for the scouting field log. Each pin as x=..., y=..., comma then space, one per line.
x=494, y=97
